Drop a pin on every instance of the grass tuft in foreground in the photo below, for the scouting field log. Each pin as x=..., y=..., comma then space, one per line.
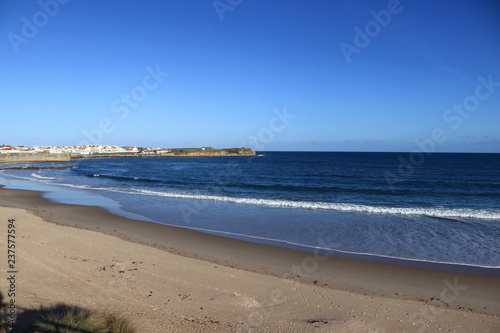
x=83, y=322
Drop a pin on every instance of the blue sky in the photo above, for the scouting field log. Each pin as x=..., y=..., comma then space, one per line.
x=317, y=75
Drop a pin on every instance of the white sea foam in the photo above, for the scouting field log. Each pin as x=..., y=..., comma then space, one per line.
x=85, y=187
x=342, y=207
x=437, y=212
x=493, y=214
x=42, y=177
x=18, y=177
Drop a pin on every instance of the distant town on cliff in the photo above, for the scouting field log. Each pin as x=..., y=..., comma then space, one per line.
x=88, y=151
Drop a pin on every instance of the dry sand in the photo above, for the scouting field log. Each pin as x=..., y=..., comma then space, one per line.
x=168, y=279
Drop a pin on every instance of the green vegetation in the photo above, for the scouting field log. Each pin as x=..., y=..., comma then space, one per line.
x=3, y=315
x=83, y=322
x=69, y=320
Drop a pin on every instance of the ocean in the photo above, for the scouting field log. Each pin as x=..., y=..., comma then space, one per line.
x=442, y=207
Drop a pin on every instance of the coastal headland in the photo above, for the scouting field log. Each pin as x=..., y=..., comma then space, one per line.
x=176, y=152
x=68, y=154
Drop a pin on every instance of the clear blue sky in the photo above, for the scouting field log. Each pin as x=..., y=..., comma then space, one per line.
x=67, y=69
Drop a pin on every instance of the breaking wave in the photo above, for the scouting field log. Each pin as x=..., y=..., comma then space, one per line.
x=42, y=177
x=342, y=207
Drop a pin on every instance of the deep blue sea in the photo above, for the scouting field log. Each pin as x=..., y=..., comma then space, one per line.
x=439, y=208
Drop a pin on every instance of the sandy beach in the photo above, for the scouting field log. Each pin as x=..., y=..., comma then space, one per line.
x=169, y=279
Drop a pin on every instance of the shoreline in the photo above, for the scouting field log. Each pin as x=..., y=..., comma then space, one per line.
x=209, y=235
x=375, y=258
x=165, y=278
x=340, y=273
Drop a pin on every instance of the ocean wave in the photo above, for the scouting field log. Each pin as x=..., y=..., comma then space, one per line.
x=433, y=212
x=84, y=187
x=436, y=212
x=123, y=178
x=20, y=177
x=439, y=212
x=41, y=177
